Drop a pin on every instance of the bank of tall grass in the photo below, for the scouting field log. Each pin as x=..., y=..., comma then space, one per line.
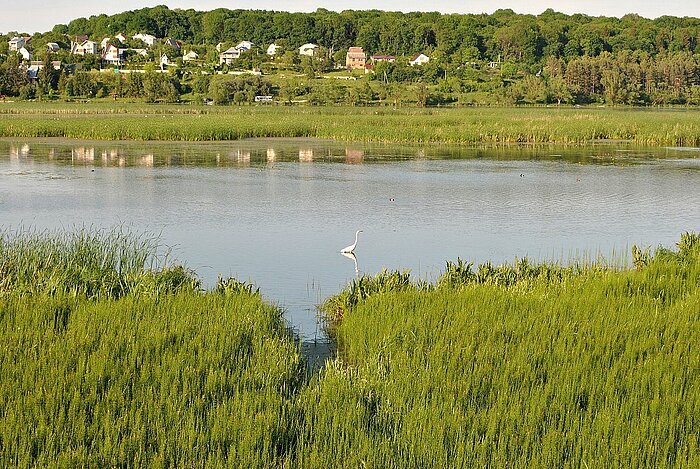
x=518, y=367
x=112, y=357
x=383, y=124
x=522, y=365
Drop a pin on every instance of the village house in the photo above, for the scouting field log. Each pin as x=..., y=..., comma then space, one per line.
x=383, y=58
x=419, y=59
x=26, y=55
x=190, y=56
x=84, y=47
x=147, y=39
x=355, y=58
x=121, y=37
x=112, y=54
x=245, y=45
x=308, y=49
x=52, y=47
x=273, y=49
x=165, y=62
x=104, y=43
x=229, y=55
x=172, y=43
x=16, y=43
x=35, y=66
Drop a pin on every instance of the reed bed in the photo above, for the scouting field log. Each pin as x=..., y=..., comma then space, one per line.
x=87, y=263
x=522, y=365
x=566, y=126
x=143, y=375
x=591, y=368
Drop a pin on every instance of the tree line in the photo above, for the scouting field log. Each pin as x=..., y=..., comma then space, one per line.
x=458, y=37
x=504, y=57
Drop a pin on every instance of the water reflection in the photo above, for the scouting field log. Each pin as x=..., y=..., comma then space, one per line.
x=264, y=152
x=306, y=155
x=351, y=255
x=354, y=156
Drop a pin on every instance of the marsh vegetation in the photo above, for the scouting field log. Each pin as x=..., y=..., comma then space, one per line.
x=526, y=365
x=387, y=125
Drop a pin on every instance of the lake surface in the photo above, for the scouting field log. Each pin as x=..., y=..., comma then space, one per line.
x=277, y=212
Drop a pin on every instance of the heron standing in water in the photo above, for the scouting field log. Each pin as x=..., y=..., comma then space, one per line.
x=351, y=248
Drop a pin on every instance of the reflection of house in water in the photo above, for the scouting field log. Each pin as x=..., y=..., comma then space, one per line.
x=16, y=152
x=354, y=156
x=113, y=155
x=83, y=154
x=146, y=160
x=306, y=155
x=271, y=155
x=110, y=155
x=241, y=156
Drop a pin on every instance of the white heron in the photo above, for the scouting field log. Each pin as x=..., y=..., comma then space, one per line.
x=351, y=248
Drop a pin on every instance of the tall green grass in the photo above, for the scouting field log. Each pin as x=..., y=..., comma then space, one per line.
x=112, y=357
x=593, y=368
x=522, y=365
x=406, y=125
x=87, y=262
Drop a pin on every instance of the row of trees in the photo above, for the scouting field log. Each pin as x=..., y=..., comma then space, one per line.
x=460, y=38
x=624, y=78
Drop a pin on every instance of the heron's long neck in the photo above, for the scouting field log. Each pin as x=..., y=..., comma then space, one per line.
x=357, y=233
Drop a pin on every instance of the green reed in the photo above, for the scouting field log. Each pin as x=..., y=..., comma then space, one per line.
x=87, y=262
x=573, y=367
x=110, y=356
x=519, y=365
x=567, y=126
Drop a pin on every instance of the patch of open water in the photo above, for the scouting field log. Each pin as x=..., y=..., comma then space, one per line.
x=277, y=212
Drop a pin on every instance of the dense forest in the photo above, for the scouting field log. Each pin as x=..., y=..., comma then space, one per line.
x=547, y=58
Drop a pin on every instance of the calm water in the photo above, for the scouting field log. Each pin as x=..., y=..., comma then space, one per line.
x=277, y=212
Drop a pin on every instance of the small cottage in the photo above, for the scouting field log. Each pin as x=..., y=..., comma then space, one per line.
x=273, y=49
x=308, y=49
x=355, y=58
x=419, y=59
x=229, y=55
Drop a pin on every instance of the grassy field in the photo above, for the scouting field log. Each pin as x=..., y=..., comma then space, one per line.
x=501, y=366
x=117, y=121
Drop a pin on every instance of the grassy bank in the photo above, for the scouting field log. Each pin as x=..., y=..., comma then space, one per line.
x=520, y=365
x=111, y=358
x=103, y=121
x=517, y=366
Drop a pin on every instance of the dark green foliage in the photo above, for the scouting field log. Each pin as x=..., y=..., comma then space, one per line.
x=227, y=89
x=233, y=286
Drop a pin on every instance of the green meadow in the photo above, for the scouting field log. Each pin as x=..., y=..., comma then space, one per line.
x=133, y=121
x=113, y=355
